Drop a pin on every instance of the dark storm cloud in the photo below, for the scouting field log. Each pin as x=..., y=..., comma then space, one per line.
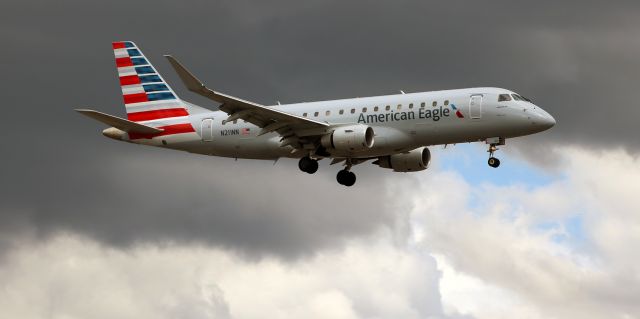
x=575, y=59
x=132, y=198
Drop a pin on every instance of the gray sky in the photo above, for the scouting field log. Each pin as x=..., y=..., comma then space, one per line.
x=576, y=59
x=577, y=64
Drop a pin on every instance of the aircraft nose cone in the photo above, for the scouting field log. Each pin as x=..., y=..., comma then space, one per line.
x=545, y=120
x=550, y=122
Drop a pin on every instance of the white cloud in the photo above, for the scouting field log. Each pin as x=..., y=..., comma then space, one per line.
x=516, y=239
x=458, y=250
x=73, y=277
x=469, y=295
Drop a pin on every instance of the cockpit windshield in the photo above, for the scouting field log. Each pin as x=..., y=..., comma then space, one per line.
x=504, y=97
x=520, y=98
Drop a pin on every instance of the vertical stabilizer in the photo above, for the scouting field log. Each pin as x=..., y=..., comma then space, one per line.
x=147, y=96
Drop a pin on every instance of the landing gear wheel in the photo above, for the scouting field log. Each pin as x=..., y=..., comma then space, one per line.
x=313, y=167
x=342, y=176
x=351, y=179
x=493, y=162
x=346, y=178
x=493, y=147
x=308, y=165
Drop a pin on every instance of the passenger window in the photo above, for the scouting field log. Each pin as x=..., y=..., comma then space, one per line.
x=341, y=112
x=364, y=110
x=375, y=109
x=316, y=114
x=399, y=106
x=504, y=97
x=434, y=103
x=446, y=102
x=353, y=111
x=235, y=121
x=388, y=107
x=423, y=104
x=410, y=105
x=327, y=113
x=304, y=114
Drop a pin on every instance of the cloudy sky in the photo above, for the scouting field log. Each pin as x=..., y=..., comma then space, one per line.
x=92, y=228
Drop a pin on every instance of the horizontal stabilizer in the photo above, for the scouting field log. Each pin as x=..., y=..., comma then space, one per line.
x=119, y=123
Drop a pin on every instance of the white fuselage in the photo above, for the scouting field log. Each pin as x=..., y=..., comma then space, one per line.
x=401, y=122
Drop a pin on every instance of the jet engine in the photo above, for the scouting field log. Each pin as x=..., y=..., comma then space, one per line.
x=415, y=160
x=352, y=138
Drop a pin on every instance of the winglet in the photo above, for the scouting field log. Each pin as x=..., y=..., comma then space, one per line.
x=190, y=80
x=195, y=85
x=119, y=123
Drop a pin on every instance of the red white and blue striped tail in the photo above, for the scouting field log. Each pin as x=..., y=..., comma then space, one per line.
x=149, y=99
x=147, y=96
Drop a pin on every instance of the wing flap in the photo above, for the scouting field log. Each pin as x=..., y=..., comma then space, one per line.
x=119, y=123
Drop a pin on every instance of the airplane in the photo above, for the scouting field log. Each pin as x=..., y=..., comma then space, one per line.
x=394, y=131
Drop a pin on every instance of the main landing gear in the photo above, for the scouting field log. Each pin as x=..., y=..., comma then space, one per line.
x=493, y=162
x=345, y=177
x=308, y=165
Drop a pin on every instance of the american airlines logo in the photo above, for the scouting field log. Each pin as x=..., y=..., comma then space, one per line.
x=422, y=113
x=458, y=113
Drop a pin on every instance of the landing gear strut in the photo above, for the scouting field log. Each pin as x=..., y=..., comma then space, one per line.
x=346, y=177
x=493, y=162
x=308, y=165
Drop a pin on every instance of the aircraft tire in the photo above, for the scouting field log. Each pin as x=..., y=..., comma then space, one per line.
x=341, y=177
x=351, y=179
x=313, y=167
x=308, y=165
x=346, y=178
x=494, y=162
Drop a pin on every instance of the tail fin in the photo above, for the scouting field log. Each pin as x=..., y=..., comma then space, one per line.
x=147, y=97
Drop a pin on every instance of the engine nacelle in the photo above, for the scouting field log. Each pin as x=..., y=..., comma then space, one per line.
x=415, y=160
x=352, y=138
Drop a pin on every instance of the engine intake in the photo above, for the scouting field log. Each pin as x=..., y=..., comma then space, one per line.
x=412, y=161
x=352, y=138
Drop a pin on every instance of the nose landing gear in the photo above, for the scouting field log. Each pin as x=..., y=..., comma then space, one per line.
x=493, y=162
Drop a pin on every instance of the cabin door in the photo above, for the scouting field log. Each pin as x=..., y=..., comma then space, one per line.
x=207, y=130
x=475, y=107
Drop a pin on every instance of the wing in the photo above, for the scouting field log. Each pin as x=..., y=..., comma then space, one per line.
x=294, y=130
